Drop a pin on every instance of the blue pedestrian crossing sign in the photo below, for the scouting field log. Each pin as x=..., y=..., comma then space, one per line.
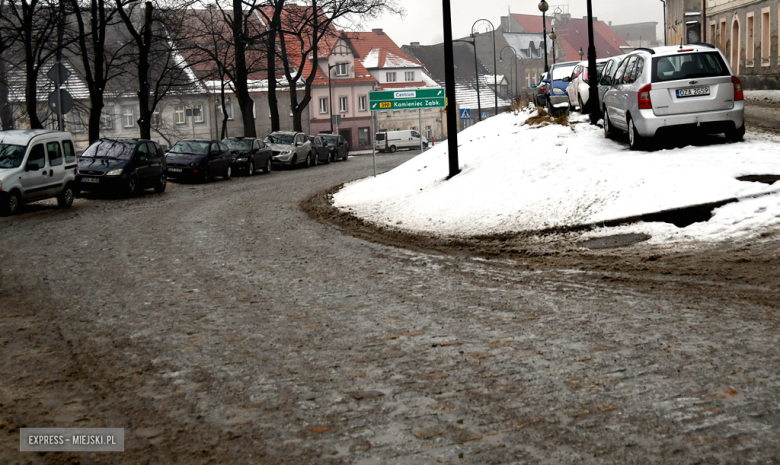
x=484, y=115
x=465, y=114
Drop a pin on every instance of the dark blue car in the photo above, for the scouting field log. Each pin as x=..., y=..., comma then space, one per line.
x=557, y=98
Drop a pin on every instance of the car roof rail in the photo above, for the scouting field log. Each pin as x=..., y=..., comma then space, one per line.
x=703, y=44
x=645, y=49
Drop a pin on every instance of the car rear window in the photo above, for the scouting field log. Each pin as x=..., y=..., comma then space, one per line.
x=562, y=72
x=380, y=136
x=688, y=66
x=110, y=149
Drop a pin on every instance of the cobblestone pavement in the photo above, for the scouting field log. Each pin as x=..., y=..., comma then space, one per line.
x=219, y=323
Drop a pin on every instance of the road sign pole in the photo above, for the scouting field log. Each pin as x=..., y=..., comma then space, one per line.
x=419, y=118
x=373, y=141
x=59, y=99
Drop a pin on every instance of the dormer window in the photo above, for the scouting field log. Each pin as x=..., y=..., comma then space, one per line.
x=341, y=69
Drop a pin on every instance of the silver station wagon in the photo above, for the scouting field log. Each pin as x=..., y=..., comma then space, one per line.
x=680, y=87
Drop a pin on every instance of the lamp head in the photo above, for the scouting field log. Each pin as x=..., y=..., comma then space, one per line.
x=543, y=6
x=553, y=35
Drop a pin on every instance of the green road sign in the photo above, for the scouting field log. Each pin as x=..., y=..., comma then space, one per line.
x=406, y=99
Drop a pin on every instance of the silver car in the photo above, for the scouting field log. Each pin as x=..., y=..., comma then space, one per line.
x=289, y=148
x=690, y=86
x=606, y=73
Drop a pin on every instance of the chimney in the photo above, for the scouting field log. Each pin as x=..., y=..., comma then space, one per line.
x=414, y=44
x=378, y=31
x=610, y=24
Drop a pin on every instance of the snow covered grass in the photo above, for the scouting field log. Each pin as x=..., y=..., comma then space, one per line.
x=517, y=177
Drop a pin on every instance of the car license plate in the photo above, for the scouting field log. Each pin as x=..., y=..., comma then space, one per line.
x=174, y=170
x=92, y=180
x=693, y=92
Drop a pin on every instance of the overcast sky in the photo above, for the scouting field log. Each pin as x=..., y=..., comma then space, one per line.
x=423, y=21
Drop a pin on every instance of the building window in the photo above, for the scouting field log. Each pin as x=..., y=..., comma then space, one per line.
x=723, y=35
x=766, y=44
x=76, y=122
x=751, y=41
x=362, y=103
x=128, y=117
x=343, y=104
x=390, y=77
x=428, y=132
x=199, y=117
x=106, y=118
x=363, y=139
x=409, y=76
x=156, y=118
x=712, y=32
x=323, y=106
x=229, y=111
x=341, y=69
x=178, y=114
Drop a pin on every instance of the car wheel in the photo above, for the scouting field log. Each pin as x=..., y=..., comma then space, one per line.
x=550, y=108
x=65, y=199
x=294, y=162
x=228, y=173
x=608, y=130
x=735, y=135
x=10, y=203
x=425, y=145
x=346, y=155
x=330, y=157
x=308, y=160
x=316, y=160
x=267, y=168
x=251, y=170
x=635, y=141
x=206, y=176
x=161, y=183
x=392, y=149
x=582, y=107
x=132, y=187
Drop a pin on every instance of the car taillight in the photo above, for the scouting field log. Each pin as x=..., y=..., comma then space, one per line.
x=644, y=98
x=738, y=93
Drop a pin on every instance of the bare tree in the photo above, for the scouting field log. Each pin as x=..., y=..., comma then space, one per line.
x=231, y=41
x=101, y=60
x=305, y=27
x=154, y=33
x=34, y=25
x=6, y=112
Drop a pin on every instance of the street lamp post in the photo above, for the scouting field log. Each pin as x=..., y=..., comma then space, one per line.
x=664, y=2
x=330, y=98
x=592, y=73
x=449, y=89
x=543, y=7
x=501, y=59
x=473, y=43
x=553, y=36
x=495, y=70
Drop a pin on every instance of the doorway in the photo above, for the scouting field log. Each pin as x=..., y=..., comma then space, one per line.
x=347, y=135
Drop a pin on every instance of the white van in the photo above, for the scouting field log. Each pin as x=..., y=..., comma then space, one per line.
x=36, y=164
x=390, y=141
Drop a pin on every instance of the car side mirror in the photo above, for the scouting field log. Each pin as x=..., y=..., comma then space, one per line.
x=30, y=166
x=533, y=86
x=605, y=81
x=566, y=79
x=546, y=81
x=142, y=159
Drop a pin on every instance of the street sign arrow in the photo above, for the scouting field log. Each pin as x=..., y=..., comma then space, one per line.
x=65, y=99
x=58, y=73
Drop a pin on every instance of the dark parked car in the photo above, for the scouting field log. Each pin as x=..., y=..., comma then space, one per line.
x=339, y=148
x=122, y=166
x=249, y=154
x=200, y=160
x=320, y=151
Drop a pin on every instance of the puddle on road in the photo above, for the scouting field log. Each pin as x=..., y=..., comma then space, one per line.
x=611, y=242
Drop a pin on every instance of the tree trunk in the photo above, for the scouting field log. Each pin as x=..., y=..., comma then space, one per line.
x=242, y=89
x=144, y=114
x=273, y=103
x=6, y=111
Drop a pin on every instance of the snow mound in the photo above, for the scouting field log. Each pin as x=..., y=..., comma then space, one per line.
x=517, y=177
